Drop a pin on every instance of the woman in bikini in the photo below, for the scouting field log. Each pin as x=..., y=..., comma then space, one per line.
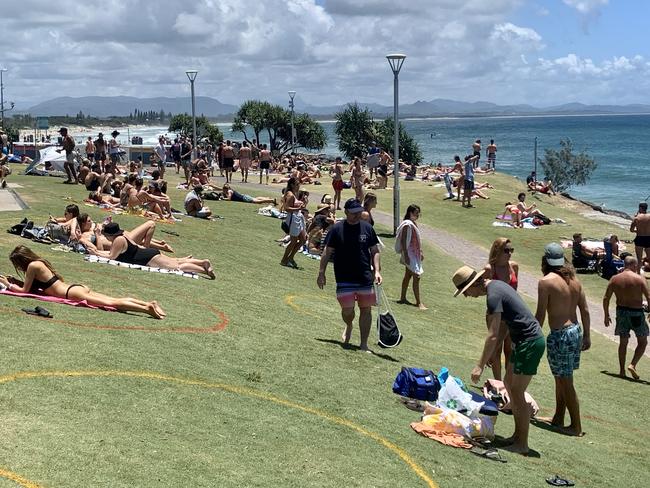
x=90, y=235
x=295, y=220
x=501, y=267
x=516, y=214
x=125, y=250
x=40, y=277
x=356, y=178
x=337, y=182
x=369, y=202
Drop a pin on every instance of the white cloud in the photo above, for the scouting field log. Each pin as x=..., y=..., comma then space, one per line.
x=586, y=6
x=514, y=34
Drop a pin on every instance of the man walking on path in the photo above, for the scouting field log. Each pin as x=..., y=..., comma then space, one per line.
x=503, y=303
x=641, y=225
x=630, y=288
x=68, y=146
x=356, y=268
x=559, y=294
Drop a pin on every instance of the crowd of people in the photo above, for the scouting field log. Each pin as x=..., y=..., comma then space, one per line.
x=514, y=345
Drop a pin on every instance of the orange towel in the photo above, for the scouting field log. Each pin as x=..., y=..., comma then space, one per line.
x=446, y=438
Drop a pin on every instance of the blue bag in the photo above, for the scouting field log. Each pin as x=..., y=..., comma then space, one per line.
x=417, y=383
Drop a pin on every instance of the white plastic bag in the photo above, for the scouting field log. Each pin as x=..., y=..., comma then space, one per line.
x=453, y=397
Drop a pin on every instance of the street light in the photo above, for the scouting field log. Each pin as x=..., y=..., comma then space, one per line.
x=396, y=61
x=293, y=137
x=2, y=99
x=191, y=75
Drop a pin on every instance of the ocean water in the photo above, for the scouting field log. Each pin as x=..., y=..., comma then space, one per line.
x=617, y=143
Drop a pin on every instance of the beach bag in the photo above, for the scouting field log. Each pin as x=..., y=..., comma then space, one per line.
x=286, y=226
x=56, y=232
x=421, y=384
x=453, y=397
x=388, y=333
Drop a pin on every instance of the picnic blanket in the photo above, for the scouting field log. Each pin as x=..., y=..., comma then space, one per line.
x=64, y=301
x=526, y=225
x=151, y=269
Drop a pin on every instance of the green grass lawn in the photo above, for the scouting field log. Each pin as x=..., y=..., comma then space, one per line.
x=272, y=399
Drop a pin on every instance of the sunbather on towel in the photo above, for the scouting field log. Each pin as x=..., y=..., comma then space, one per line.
x=125, y=250
x=234, y=196
x=40, y=277
x=90, y=235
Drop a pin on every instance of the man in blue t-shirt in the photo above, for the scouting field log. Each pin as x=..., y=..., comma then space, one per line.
x=354, y=246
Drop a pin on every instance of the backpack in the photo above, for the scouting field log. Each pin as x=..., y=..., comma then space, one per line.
x=388, y=333
x=417, y=383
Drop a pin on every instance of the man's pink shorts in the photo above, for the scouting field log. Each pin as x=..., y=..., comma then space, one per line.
x=348, y=293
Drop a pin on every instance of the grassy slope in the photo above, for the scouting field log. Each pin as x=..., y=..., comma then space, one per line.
x=136, y=432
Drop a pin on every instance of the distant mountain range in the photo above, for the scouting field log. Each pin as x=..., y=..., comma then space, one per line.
x=211, y=107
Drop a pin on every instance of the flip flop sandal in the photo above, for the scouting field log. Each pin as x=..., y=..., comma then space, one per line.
x=38, y=311
x=557, y=481
x=491, y=454
x=412, y=404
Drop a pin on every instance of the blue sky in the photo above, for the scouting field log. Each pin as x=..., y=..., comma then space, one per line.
x=331, y=51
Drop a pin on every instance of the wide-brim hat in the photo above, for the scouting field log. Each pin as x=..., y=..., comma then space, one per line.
x=464, y=277
x=112, y=229
x=115, y=133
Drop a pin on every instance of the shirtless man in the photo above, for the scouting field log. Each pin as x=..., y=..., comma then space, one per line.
x=491, y=153
x=641, y=225
x=560, y=294
x=228, y=161
x=90, y=149
x=476, y=148
x=265, y=163
x=527, y=210
x=630, y=288
x=245, y=157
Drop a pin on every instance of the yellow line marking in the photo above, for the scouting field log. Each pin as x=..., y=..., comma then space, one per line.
x=18, y=479
x=239, y=390
x=288, y=300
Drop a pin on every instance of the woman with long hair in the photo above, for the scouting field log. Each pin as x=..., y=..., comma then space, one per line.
x=295, y=220
x=369, y=202
x=408, y=244
x=501, y=267
x=356, y=178
x=39, y=276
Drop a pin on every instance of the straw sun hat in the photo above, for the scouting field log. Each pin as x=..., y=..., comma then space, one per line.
x=464, y=277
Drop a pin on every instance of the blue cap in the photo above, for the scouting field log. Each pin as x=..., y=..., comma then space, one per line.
x=353, y=206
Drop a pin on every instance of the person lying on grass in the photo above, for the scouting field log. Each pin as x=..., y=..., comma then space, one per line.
x=39, y=277
x=234, y=196
x=90, y=235
x=194, y=204
x=123, y=249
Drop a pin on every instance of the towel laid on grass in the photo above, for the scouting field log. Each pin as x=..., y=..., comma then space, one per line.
x=271, y=211
x=151, y=269
x=64, y=301
x=526, y=225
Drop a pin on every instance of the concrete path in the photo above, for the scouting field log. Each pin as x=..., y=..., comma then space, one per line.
x=10, y=201
x=463, y=250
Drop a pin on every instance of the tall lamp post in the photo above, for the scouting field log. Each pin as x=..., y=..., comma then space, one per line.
x=191, y=74
x=2, y=100
x=396, y=61
x=293, y=138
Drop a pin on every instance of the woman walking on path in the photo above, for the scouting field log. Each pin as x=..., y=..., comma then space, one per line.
x=295, y=221
x=369, y=202
x=337, y=182
x=408, y=244
x=40, y=277
x=501, y=268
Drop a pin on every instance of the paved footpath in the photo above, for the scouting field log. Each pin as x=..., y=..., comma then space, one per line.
x=463, y=250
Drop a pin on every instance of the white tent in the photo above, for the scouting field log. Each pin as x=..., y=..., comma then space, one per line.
x=48, y=160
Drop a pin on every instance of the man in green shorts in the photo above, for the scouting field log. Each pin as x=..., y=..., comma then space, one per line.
x=504, y=304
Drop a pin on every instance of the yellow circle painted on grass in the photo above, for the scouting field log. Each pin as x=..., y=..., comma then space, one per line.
x=18, y=479
x=239, y=390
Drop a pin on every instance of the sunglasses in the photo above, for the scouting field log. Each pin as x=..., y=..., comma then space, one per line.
x=509, y=250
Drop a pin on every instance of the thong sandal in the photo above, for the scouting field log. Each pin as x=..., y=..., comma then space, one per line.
x=38, y=311
x=557, y=481
x=491, y=454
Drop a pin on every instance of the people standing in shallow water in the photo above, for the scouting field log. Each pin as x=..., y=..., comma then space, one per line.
x=559, y=295
x=408, y=244
x=40, y=277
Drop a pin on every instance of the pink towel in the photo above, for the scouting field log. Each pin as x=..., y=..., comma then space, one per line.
x=64, y=301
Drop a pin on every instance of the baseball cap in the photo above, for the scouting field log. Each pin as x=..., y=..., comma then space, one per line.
x=554, y=254
x=353, y=206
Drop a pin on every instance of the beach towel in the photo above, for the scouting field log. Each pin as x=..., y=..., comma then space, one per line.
x=413, y=245
x=526, y=225
x=64, y=301
x=271, y=211
x=151, y=269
